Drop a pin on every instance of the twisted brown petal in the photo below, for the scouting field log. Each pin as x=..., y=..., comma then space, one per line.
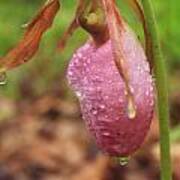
x=117, y=27
x=29, y=44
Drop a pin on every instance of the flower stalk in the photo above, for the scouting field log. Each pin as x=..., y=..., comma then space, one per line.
x=162, y=91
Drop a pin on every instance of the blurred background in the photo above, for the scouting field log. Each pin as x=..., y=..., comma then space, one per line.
x=42, y=135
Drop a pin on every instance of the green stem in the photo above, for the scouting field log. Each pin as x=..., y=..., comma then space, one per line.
x=162, y=91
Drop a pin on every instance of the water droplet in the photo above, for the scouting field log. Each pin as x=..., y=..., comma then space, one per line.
x=88, y=61
x=106, y=97
x=132, y=89
x=139, y=67
x=131, y=109
x=70, y=73
x=79, y=55
x=123, y=161
x=106, y=134
x=3, y=78
x=120, y=100
x=85, y=47
x=125, y=92
x=151, y=89
x=95, y=112
x=74, y=56
x=146, y=67
x=147, y=93
x=78, y=94
x=102, y=106
x=152, y=102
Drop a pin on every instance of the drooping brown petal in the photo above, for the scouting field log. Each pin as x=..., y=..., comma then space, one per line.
x=117, y=27
x=29, y=44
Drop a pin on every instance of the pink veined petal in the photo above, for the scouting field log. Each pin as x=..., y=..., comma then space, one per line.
x=93, y=75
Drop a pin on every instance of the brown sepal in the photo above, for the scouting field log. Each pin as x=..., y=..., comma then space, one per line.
x=117, y=27
x=29, y=44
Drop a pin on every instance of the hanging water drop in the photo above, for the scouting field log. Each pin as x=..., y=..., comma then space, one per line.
x=3, y=78
x=123, y=161
x=131, y=109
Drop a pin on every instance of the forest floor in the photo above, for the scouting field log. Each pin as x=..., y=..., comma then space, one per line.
x=44, y=138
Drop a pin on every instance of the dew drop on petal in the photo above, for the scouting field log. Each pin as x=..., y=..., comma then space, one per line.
x=125, y=92
x=106, y=133
x=152, y=103
x=94, y=112
x=74, y=55
x=131, y=109
x=70, y=73
x=146, y=67
x=132, y=89
x=106, y=117
x=120, y=100
x=98, y=88
x=139, y=67
x=102, y=106
x=106, y=97
x=147, y=93
x=79, y=95
x=151, y=89
x=79, y=55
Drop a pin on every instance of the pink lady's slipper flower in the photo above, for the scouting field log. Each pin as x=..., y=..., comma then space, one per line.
x=116, y=102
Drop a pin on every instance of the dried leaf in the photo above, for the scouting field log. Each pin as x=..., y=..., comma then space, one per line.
x=29, y=44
